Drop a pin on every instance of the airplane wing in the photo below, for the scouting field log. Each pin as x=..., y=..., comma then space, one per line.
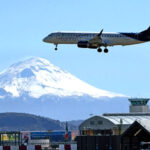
x=108, y=42
x=96, y=39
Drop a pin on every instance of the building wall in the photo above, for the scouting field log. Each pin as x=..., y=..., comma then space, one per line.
x=95, y=123
x=134, y=109
x=98, y=142
x=99, y=125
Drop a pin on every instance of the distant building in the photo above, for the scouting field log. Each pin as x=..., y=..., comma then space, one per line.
x=116, y=123
x=45, y=138
x=136, y=137
x=139, y=105
x=53, y=136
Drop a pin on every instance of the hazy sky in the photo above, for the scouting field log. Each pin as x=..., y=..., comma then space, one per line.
x=126, y=70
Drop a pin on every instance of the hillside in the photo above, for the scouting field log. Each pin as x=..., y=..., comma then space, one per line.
x=29, y=122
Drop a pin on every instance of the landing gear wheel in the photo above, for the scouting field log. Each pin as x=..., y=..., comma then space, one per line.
x=105, y=50
x=99, y=50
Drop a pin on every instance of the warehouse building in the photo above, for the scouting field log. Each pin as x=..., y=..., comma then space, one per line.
x=117, y=123
x=115, y=131
x=137, y=136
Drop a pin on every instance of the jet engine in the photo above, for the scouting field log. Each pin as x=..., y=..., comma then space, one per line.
x=86, y=44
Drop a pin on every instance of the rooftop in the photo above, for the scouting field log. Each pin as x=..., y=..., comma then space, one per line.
x=127, y=118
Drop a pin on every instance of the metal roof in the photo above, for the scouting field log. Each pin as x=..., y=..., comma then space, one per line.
x=145, y=123
x=127, y=119
x=116, y=119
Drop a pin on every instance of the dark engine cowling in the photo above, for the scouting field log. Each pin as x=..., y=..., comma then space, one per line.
x=85, y=44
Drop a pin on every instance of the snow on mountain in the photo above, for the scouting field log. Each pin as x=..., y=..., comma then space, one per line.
x=38, y=77
x=38, y=87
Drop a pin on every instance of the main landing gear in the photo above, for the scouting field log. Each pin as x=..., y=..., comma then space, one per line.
x=100, y=50
x=105, y=50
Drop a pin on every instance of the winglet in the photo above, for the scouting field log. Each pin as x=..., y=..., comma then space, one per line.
x=100, y=33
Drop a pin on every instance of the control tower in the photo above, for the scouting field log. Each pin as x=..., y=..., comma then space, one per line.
x=139, y=105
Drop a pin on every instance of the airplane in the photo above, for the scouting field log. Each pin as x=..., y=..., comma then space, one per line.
x=97, y=40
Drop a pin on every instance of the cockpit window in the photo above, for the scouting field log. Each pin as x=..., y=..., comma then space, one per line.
x=51, y=34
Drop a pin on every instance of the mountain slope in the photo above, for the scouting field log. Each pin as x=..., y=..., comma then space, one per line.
x=38, y=87
x=38, y=77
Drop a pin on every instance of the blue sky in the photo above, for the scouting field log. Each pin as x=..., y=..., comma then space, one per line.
x=126, y=70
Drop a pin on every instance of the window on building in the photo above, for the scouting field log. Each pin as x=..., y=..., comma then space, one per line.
x=92, y=122
x=100, y=122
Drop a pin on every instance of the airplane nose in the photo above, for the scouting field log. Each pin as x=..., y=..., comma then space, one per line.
x=45, y=39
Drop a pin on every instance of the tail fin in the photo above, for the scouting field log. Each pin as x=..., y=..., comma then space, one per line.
x=145, y=35
x=146, y=31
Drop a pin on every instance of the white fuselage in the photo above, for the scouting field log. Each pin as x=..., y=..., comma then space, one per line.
x=107, y=39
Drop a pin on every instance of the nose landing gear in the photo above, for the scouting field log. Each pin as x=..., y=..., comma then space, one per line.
x=56, y=47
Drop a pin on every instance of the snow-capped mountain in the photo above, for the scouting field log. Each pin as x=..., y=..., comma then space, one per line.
x=37, y=86
x=38, y=77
